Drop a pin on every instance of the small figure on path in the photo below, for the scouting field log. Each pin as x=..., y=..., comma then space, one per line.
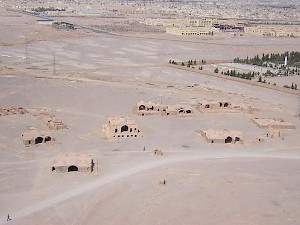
x=8, y=217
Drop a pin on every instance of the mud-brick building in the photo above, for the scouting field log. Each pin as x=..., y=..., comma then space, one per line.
x=179, y=110
x=222, y=136
x=149, y=108
x=73, y=162
x=56, y=124
x=12, y=111
x=276, y=123
x=222, y=106
x=35, y=137
x=121, y=127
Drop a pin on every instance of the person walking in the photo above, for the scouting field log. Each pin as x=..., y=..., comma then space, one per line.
x=8, y=217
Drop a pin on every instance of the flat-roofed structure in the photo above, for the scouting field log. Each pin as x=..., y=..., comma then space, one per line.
x=175, y=22
x=192, y=31
x=53, y=122
x=275, y=123
x=72, y=162
x=179, y=110
x=56, y=124
x=35, y=137
x=222, y=136
x=121, y=127
x=273, y=133
x=274, y=31
x=12, y=111
x=222, y=106
x=149, y=108
x=45, y=21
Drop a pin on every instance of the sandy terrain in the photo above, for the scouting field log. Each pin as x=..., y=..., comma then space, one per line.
x=98, y=76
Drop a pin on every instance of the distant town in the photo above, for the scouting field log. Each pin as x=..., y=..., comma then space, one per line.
x=274, y=18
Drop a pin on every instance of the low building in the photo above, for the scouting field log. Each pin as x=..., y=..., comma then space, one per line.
x=273, y=133
x=121, y=127
x=63, y=25
x=150, y=108
x=211, y=105
x=275, y=123
x=73, y=162
x=192, y=31
x=35, y=137
x=45, y=22
x=12, y=111
x=56, y=124
x=53, y=122
x=222, y=136
x=178, y=22
x=273, y=31
x=179, y=110
x=222, y=106
x=156, y=151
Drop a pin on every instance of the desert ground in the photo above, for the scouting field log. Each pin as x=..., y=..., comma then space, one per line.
x=84, y=78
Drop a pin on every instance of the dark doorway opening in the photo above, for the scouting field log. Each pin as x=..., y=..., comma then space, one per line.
x=53, y=168
x=142, y=107
x=39, y=140
x=228, y=139
x=124, y=128
x=47, y=138
x=72, y=168
x=236, y=139
x=225, y=104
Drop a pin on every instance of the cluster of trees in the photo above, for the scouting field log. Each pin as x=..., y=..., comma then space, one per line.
x=43, y=9
x=275, y=58
x=293, y=86
x=234, y=73
x=191, y=62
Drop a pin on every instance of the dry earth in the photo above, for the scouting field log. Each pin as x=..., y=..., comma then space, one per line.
x=100, y=75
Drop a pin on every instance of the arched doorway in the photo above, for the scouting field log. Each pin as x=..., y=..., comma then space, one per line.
x=39, y=140
x=226, y=104
x=228, y=140
x=142, y=107
x=47, y=139
x=124, y=128
x=237, y=139
x=72, y=168
x=53, y=168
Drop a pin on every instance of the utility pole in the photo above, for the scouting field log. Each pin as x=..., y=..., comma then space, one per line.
x=26, y=59
x=298, y=110
x=54, y=65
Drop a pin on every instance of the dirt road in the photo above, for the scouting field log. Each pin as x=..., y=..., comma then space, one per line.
x=138, y=169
